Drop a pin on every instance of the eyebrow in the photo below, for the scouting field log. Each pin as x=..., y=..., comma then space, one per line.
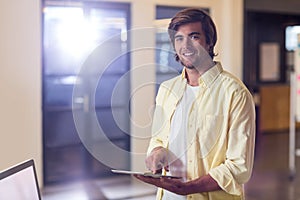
x=194, y=33
x=190, y=34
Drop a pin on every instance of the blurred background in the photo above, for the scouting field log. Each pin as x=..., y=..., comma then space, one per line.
x=78, y=79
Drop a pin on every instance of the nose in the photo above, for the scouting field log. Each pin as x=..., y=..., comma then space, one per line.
x=187, y=42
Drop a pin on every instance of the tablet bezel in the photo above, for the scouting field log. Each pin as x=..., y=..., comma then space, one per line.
x=147, y=174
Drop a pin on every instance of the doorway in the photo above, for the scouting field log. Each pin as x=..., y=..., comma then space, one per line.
x=73, y=33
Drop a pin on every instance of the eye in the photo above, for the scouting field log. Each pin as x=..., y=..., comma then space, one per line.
x=178, y=38
x=195, y=37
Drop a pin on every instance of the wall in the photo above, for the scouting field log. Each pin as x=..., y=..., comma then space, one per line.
x=20, y=75
x=277, y=6
x=20, y=83
x=228, y=16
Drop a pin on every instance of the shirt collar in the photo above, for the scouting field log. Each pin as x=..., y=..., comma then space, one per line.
x=209, y=76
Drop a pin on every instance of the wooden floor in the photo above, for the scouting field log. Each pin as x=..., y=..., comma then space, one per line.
x=270, y=179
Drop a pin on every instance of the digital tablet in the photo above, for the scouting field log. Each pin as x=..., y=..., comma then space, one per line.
x=149, y=174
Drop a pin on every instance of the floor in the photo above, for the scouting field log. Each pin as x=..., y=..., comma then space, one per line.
x=270, y=179
x=123, y=187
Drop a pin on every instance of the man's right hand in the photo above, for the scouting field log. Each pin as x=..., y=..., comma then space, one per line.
x=157, y=160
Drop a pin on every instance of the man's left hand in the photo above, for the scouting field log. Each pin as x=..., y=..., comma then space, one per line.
x=171, y=184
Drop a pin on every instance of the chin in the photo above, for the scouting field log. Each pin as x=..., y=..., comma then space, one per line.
x=187, y=65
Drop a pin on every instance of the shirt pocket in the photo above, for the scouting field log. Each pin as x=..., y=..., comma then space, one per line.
x=210, y=133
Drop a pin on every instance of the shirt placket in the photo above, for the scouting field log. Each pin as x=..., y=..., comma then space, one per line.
x=192, y=159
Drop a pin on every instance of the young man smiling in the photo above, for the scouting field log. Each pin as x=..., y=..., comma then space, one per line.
x=204, y=121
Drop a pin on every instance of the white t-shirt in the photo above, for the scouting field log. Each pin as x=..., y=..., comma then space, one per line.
x=177, y=140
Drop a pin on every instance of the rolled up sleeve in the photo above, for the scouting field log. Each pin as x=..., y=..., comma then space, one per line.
x=237, y=168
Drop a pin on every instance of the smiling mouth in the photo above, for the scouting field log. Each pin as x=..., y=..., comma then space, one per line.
x=187, y=54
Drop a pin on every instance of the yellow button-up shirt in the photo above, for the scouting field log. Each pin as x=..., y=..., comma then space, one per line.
x=221, y=130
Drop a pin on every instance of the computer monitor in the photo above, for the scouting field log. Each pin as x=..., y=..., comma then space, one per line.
x=20, y=182
x=291, y=33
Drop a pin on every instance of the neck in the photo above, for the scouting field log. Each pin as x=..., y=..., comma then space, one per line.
x=193, y=74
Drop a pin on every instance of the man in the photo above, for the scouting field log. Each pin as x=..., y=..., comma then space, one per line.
x=204, y=121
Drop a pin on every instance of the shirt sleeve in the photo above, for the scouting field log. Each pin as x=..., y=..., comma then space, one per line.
x=237, y=168
x=159, y=123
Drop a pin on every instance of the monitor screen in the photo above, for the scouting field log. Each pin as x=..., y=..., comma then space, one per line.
x=291, y=37
x=19, y=183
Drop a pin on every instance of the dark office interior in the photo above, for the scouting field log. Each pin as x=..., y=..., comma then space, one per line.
x=70, y=88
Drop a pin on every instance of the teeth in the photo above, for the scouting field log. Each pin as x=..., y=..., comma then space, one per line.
x=188, y=54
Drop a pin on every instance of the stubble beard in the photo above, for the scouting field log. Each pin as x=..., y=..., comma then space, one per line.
x=189, y=66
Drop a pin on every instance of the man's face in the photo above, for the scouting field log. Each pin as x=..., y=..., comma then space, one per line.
x=190, y=45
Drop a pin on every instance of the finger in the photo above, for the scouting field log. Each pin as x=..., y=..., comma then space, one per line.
x=167, y=168
x=159, y=165
x=157, y=168
x=149, y=160
x=170, y=180
x=153, y=163
x=149, y=180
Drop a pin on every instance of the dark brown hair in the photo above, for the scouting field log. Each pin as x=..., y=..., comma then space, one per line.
x=191, y=15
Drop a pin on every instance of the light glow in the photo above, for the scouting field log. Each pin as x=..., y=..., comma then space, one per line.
x=73, y=34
